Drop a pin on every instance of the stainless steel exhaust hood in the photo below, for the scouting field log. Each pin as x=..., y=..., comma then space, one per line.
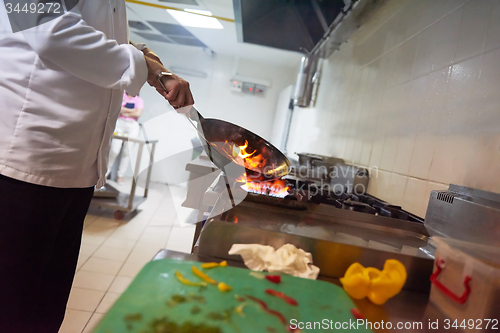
x=306, y=26
x=293, y=25
x=314, y=27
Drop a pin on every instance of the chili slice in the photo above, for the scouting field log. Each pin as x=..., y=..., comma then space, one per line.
x=274, y=278
x=202, y=275
x=214, y=264
x=182, y=279
x=264, y=306
x=224, y=287
x=357, y=314
x=287, y=299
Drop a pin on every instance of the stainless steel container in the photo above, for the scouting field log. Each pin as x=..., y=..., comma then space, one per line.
x=465, y=214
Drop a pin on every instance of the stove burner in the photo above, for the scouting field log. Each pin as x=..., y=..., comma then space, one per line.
x=301, y=191
x=277, y=188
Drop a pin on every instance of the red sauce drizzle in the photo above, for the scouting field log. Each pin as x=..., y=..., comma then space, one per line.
x=358, y=315
x=287, y=299
x=264, y=306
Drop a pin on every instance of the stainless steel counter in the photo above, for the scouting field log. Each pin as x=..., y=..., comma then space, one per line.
x=410, y=308
x=336, y=238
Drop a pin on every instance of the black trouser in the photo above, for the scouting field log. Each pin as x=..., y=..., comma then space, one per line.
x=40, y=235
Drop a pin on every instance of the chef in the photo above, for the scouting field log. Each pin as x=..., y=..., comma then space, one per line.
x=63, y=70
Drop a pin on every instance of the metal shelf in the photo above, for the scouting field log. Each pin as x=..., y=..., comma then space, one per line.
x=124, y=203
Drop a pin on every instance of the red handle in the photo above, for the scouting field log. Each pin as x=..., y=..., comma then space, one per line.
x=459, y=299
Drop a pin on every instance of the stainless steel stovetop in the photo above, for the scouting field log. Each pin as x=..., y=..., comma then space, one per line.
x=335, y=237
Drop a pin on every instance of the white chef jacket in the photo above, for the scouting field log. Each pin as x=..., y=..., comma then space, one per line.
x=61, y=87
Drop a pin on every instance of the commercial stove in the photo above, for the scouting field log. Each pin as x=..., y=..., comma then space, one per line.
x=328, y=216
x=333, y=218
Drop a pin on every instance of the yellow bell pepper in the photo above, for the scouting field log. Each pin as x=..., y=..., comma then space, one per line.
x=185, y=281
x=214, y=264
x=356, y=281
x=239, y=309
x=224, y=287
x=360, y=282
x=202, y=275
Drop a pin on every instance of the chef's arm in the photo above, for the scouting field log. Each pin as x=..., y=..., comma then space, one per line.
x=73, y=45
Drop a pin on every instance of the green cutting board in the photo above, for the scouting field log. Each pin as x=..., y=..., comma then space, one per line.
x=156, y=301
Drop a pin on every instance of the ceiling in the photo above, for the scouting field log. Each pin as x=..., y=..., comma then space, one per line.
x=153, y=23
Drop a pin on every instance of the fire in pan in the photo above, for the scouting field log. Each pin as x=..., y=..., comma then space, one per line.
x=227, y=143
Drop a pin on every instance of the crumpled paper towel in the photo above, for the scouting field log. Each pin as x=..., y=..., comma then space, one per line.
x=287, y=259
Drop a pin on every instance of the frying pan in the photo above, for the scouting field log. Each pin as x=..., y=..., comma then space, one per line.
x=215, y=132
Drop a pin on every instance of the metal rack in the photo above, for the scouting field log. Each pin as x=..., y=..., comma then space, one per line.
x=124, y=203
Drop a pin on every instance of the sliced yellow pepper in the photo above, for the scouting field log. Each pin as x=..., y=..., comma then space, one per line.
x=224, y=287
x=182, y=279
x=355, y=281
x=360, y=282
x=258, y=275
x=389, y=283
x=214, y=264
x=239, y=309
x=202, y=275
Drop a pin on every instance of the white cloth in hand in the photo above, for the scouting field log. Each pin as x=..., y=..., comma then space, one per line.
x=287, y=259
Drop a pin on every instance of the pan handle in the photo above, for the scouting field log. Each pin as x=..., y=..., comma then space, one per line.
x=195, y=115
x=191, y=112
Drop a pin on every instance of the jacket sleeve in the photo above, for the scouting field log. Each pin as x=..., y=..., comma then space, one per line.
x=69, y=42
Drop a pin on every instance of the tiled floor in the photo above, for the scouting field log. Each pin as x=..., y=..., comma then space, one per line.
x=113, y=252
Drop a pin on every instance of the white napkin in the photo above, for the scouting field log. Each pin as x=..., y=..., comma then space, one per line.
x=287, y=259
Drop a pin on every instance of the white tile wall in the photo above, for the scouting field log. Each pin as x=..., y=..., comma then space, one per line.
x=493, y=34
x=415, y=93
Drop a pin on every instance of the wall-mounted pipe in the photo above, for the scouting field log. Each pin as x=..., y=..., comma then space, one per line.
x=304, y=85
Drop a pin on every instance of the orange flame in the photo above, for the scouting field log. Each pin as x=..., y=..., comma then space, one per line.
x=275, y=188
x=241, y=151
x=240, y=155
x=242, y=179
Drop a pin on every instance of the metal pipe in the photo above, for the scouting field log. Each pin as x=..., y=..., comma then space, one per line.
x=304, y=86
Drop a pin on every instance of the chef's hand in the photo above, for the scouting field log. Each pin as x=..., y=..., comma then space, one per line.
x=176, y=92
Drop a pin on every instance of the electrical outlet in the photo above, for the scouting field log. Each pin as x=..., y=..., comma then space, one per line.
x=249, y=88
x=259, y=89
x=236, y=85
